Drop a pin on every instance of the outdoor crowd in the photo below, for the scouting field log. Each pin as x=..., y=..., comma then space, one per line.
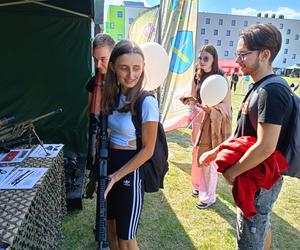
x=251, y=159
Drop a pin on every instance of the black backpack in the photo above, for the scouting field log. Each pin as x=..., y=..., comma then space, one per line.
x=155, y=169
x=292, y=153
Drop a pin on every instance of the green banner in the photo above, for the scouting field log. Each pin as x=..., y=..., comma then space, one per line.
x=45, y=63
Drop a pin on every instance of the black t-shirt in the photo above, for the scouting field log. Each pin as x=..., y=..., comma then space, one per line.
x=235, y=76
x=274, y=105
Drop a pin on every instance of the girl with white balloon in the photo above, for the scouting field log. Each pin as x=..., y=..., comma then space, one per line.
x=211, y=125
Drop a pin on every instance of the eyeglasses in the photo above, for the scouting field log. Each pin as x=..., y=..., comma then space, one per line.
x=205, y=58
x=242, y=55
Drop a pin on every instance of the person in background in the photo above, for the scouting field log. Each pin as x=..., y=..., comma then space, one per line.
x=234, y=79
x=245, y=84
x=125, y=190
x=206, y=122
x=102, y=47
x=257, y=48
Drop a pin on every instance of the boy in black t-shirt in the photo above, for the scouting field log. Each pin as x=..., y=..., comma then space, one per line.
x=256, y=50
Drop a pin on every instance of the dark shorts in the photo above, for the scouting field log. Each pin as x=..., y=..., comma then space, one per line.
x=251, y=232
x=125, y=200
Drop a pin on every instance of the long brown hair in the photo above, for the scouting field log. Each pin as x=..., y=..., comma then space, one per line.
x=214, y=67
x=112, y=89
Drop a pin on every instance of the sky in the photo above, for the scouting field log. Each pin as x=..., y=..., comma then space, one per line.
x=289, y=8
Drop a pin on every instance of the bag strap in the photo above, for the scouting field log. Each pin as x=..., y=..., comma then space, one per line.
x=137, y=118
x=253, y=96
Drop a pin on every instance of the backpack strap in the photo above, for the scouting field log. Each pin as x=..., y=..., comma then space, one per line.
x=253, y=97
x=137, y=118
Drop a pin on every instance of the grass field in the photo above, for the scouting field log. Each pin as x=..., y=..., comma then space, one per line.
x=170, y=219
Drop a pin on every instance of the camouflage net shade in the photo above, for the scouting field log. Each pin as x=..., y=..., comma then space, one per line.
x=32, y=219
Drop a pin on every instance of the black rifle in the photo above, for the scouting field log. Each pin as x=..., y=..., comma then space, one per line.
x=101, y=225
x=97, y=159
x=13, y=133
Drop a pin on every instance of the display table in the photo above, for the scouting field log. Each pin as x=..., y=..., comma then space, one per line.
x=32, y=219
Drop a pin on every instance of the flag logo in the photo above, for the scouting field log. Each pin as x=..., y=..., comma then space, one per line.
x=182, y=52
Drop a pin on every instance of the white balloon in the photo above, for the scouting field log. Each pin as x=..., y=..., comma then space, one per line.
x=156, y=65
x=213, y=90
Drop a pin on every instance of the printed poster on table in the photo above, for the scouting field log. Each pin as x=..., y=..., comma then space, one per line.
x=14, y=156
x=20, y=177
x=46, y=151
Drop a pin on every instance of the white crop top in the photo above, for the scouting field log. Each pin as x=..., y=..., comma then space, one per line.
x=121, y=126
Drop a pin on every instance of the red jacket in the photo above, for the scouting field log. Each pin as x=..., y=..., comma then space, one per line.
x=247, y=184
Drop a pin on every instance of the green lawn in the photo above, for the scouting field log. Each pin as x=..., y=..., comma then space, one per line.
x=170, y=219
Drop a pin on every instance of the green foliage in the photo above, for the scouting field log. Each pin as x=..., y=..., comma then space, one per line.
x=170, y=219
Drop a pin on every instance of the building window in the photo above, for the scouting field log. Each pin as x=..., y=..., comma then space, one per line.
x=230, y=43
x=216, y=32
x=205, y=42
x=228, y=33
x=286, y=51
x=207, y=20
x=112, y=25
x=288, y=31
x=130, y=20
x=287, y=41
x=233, y=22
x=245, y=23
x=218, y=42
x=284, y=60
x=294, y=56
x=281, y=26
x=120, y=37
x=226, y=53
x=296, y=37
x=220, y=21
x=119, y=14
x=202, y=31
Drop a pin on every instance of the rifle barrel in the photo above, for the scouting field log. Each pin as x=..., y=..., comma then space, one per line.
x=46, y=115
x=21, y=127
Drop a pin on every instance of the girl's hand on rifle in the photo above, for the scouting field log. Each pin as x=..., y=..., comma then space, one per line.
x=111, y=181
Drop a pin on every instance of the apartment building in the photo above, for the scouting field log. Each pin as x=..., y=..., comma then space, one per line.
x=119, y=18
x=223, y=30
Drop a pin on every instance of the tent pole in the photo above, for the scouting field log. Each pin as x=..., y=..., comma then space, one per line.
x=159, y=26
x=45, y=5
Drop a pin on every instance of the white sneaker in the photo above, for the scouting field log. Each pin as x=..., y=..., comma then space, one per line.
x=203, y=205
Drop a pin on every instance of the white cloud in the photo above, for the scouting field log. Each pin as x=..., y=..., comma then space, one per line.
x=287, y=12
x=113, y=2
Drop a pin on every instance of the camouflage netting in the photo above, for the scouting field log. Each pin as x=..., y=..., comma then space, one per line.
x=32, y=219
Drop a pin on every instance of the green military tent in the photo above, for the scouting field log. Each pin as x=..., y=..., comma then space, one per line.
x=45, y=50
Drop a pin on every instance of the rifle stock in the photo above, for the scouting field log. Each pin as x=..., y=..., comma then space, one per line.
x=95, y=109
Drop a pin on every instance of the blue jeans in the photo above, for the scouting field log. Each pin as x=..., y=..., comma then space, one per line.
x=251, y=232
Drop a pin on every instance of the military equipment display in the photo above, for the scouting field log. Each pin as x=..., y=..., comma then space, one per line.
x=12, y=135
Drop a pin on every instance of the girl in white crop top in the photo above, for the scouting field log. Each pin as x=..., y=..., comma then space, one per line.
x=123, y=86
